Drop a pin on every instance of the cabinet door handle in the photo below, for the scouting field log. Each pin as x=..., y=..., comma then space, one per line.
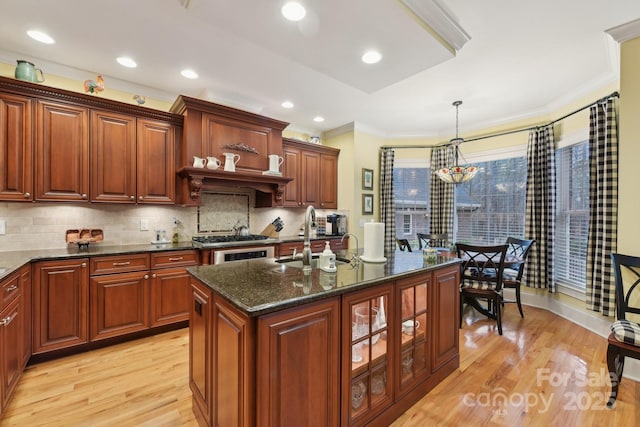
x=83, y=265
x=27, y=195
x=132, y=197
x=178, y=258
x=84, y=196
x=140, y=197
x=146, y=276
x=12, y=288
x=120, y=264
x=154, y=275
x=8, y=319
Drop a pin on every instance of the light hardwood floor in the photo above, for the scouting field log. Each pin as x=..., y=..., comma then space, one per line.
x=544, y=371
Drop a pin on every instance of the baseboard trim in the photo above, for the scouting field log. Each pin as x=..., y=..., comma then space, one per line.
x=591, y=321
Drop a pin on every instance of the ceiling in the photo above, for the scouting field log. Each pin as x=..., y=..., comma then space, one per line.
x=516, y=59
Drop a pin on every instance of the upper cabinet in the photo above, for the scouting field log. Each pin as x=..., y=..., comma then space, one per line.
x=314, y=170
x=16, y=145
x=71, y=147
x=156, y=175
x=62, y=152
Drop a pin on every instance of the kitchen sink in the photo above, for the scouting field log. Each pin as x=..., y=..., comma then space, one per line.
x=297, y=262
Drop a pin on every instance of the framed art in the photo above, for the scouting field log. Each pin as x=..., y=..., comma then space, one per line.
x=367, y=204
x=367, y=179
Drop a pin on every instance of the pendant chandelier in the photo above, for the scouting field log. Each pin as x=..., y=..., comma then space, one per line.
x=457, y=174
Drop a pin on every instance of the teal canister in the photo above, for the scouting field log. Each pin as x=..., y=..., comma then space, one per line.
x=26, y=71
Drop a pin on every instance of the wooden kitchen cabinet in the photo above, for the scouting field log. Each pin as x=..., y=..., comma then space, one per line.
x=62, y=152
x=119, y=304
x=314, y=171
x=60, y=304
x=16, y=148
x=113, y=157
x=415, y=332
x=170, y=286
x=14, y=325
x=367, y=365
x=299, y=369
x=132, y=160
x=26, y=292
x=201, y=351
x=156, y=171
x=445, y=323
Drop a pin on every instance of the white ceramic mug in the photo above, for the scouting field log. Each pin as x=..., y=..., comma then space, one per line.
x=230, y=160
x=199, y=162
x=409, y=326
x=213, y=163
x=274, y=162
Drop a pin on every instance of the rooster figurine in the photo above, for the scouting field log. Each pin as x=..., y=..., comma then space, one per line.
x=94, y=86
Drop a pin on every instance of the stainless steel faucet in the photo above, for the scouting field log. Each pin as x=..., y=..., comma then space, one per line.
x=309, y=222
x=355, y=258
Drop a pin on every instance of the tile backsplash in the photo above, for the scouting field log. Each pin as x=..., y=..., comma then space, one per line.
x=43, y=225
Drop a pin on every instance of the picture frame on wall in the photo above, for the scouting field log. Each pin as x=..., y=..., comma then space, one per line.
x=367, y=204
x=367, y=179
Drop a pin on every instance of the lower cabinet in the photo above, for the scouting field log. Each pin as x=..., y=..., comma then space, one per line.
x=299, y=366
x=368, y=360
x=60, y=304
x=15, y=328
x=362, y=358
x=119, y=304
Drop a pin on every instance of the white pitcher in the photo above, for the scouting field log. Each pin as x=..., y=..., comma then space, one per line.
x=274, y=162
x=230, y=160
x=213, y=163
x=199, y=162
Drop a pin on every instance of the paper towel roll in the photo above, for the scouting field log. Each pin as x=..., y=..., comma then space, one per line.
x=373, y=242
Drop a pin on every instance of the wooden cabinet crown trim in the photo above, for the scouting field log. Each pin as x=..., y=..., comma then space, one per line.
x=39, y=91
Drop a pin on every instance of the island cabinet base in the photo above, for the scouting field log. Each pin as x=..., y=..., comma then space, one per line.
x=358, y=358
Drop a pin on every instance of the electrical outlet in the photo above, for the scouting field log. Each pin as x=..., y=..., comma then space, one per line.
x=144, y=224
x=3, y=227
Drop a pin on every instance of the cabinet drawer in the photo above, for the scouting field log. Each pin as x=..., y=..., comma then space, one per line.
x=119, y=264
x=174, y=259
x=10, y=289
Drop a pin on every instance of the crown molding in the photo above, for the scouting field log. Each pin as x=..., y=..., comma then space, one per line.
x=624, y=32
x=432, y=15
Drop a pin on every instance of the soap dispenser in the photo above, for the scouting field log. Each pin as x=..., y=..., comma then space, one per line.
x=327, y=259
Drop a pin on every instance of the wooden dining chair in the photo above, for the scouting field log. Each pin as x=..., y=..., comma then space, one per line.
x=481, y=276
x=432, y=240
x=512, y=275
x=624, y=340
x=404, y=244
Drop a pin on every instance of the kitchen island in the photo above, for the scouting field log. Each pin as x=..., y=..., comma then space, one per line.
x=273, y=345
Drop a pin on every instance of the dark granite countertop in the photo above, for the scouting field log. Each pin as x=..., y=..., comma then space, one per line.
x=262, y=286
x=12, y=261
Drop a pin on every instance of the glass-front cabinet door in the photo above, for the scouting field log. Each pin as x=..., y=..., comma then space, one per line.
x=414, y=333
x=367, y=322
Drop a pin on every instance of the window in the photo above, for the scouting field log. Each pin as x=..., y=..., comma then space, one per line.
x=491, y=206
x=411, y=192
x=406, y=226
x=572, y=214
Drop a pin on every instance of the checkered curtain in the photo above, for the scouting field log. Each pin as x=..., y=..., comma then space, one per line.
x=387, y=201
x=541, y=208
x=603, y=206
x=441, y=206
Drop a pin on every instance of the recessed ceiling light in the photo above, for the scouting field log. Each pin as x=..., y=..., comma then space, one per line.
x=371, y=57
x=287, y=104
x=40, y=36
x=188, y=73
x=318, y=119
x=125, y=61
x=293, y=11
